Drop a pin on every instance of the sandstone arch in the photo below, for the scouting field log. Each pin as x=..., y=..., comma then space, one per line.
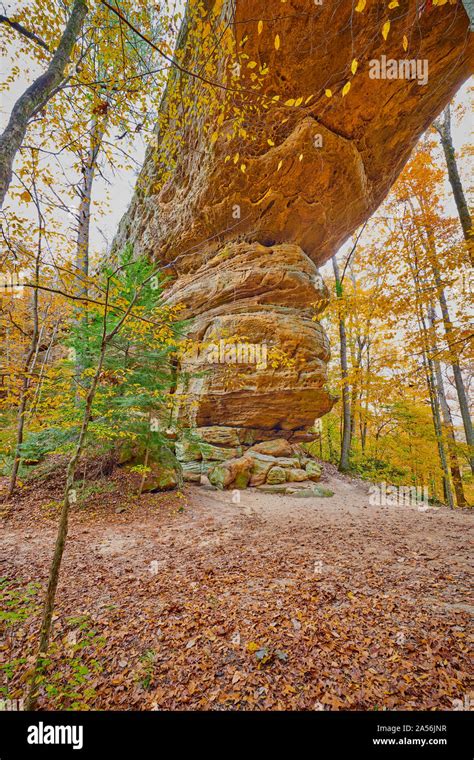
x=255, y=273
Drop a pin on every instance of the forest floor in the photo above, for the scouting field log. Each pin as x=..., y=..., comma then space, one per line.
x=189, y=601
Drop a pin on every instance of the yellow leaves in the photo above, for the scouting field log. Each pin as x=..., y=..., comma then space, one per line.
x=251, y=64
x=252, y=647
x=292, y=102
x=243, y=168
x=280, y=164
x=385, y=29
x=393, y=4
x=308, y=99
x=260, y=27
x=25, y=196
x=214, y=137
x=405, y=42
x=346, y=89
x=354, y=65
x=236, y=158
x=270, y=142
x=360, y=6
x=277, y=42
x=328, y=93
x=300, y=157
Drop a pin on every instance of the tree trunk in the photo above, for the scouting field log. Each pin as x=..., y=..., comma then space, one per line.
x=26, y=380
x=454, y=362
x=83, y=232
x=346, y=404
x=37, y=95
x=434, y=402
x=444, y=130
x=447, y=420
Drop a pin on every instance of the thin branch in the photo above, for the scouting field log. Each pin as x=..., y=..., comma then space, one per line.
x=25, y=32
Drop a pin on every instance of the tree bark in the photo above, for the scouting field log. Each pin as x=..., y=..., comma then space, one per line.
x=346, y=403
x=455, y=366
x=83, y=230
x=28, y=366
x=434, y=401
x=36, y=95
x=444, y=130
x=447, y=420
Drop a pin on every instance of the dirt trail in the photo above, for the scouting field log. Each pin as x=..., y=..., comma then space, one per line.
x=351, y=606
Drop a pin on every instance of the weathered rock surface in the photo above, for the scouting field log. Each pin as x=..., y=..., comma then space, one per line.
x=233, y=472
x=161, y=478
x=263, y=297
x=257, y=469
x=243, y=220
x=279, y=447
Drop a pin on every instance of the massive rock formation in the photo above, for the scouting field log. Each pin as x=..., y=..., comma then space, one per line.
x=265, y=161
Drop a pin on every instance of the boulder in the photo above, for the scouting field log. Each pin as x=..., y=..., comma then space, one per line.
x=276, y=475
x=296, y=475
x=313, y=470
x=192, y=477
x=161, y=478
x=218, y=453
x=233, y=472
x=273, y=461
x=188, y=451
x=276, y=448
x=219, y=435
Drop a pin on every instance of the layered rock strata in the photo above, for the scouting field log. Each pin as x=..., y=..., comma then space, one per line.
x=274, y=143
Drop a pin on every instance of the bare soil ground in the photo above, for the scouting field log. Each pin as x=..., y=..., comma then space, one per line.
x=274, y=603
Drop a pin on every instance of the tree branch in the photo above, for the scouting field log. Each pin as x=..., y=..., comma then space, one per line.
x=24, y=32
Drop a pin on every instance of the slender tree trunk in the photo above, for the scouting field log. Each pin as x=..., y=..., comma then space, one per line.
x=429, y=242
x=37, y=95
x=346, y=404
x=455, y=366
x=447, y=419
x=61, y=537
x=83, y=233
x=444, y=130
x=433, y=394
x=26, y=379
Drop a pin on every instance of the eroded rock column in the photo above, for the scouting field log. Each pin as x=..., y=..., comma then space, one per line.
x=257, y=356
